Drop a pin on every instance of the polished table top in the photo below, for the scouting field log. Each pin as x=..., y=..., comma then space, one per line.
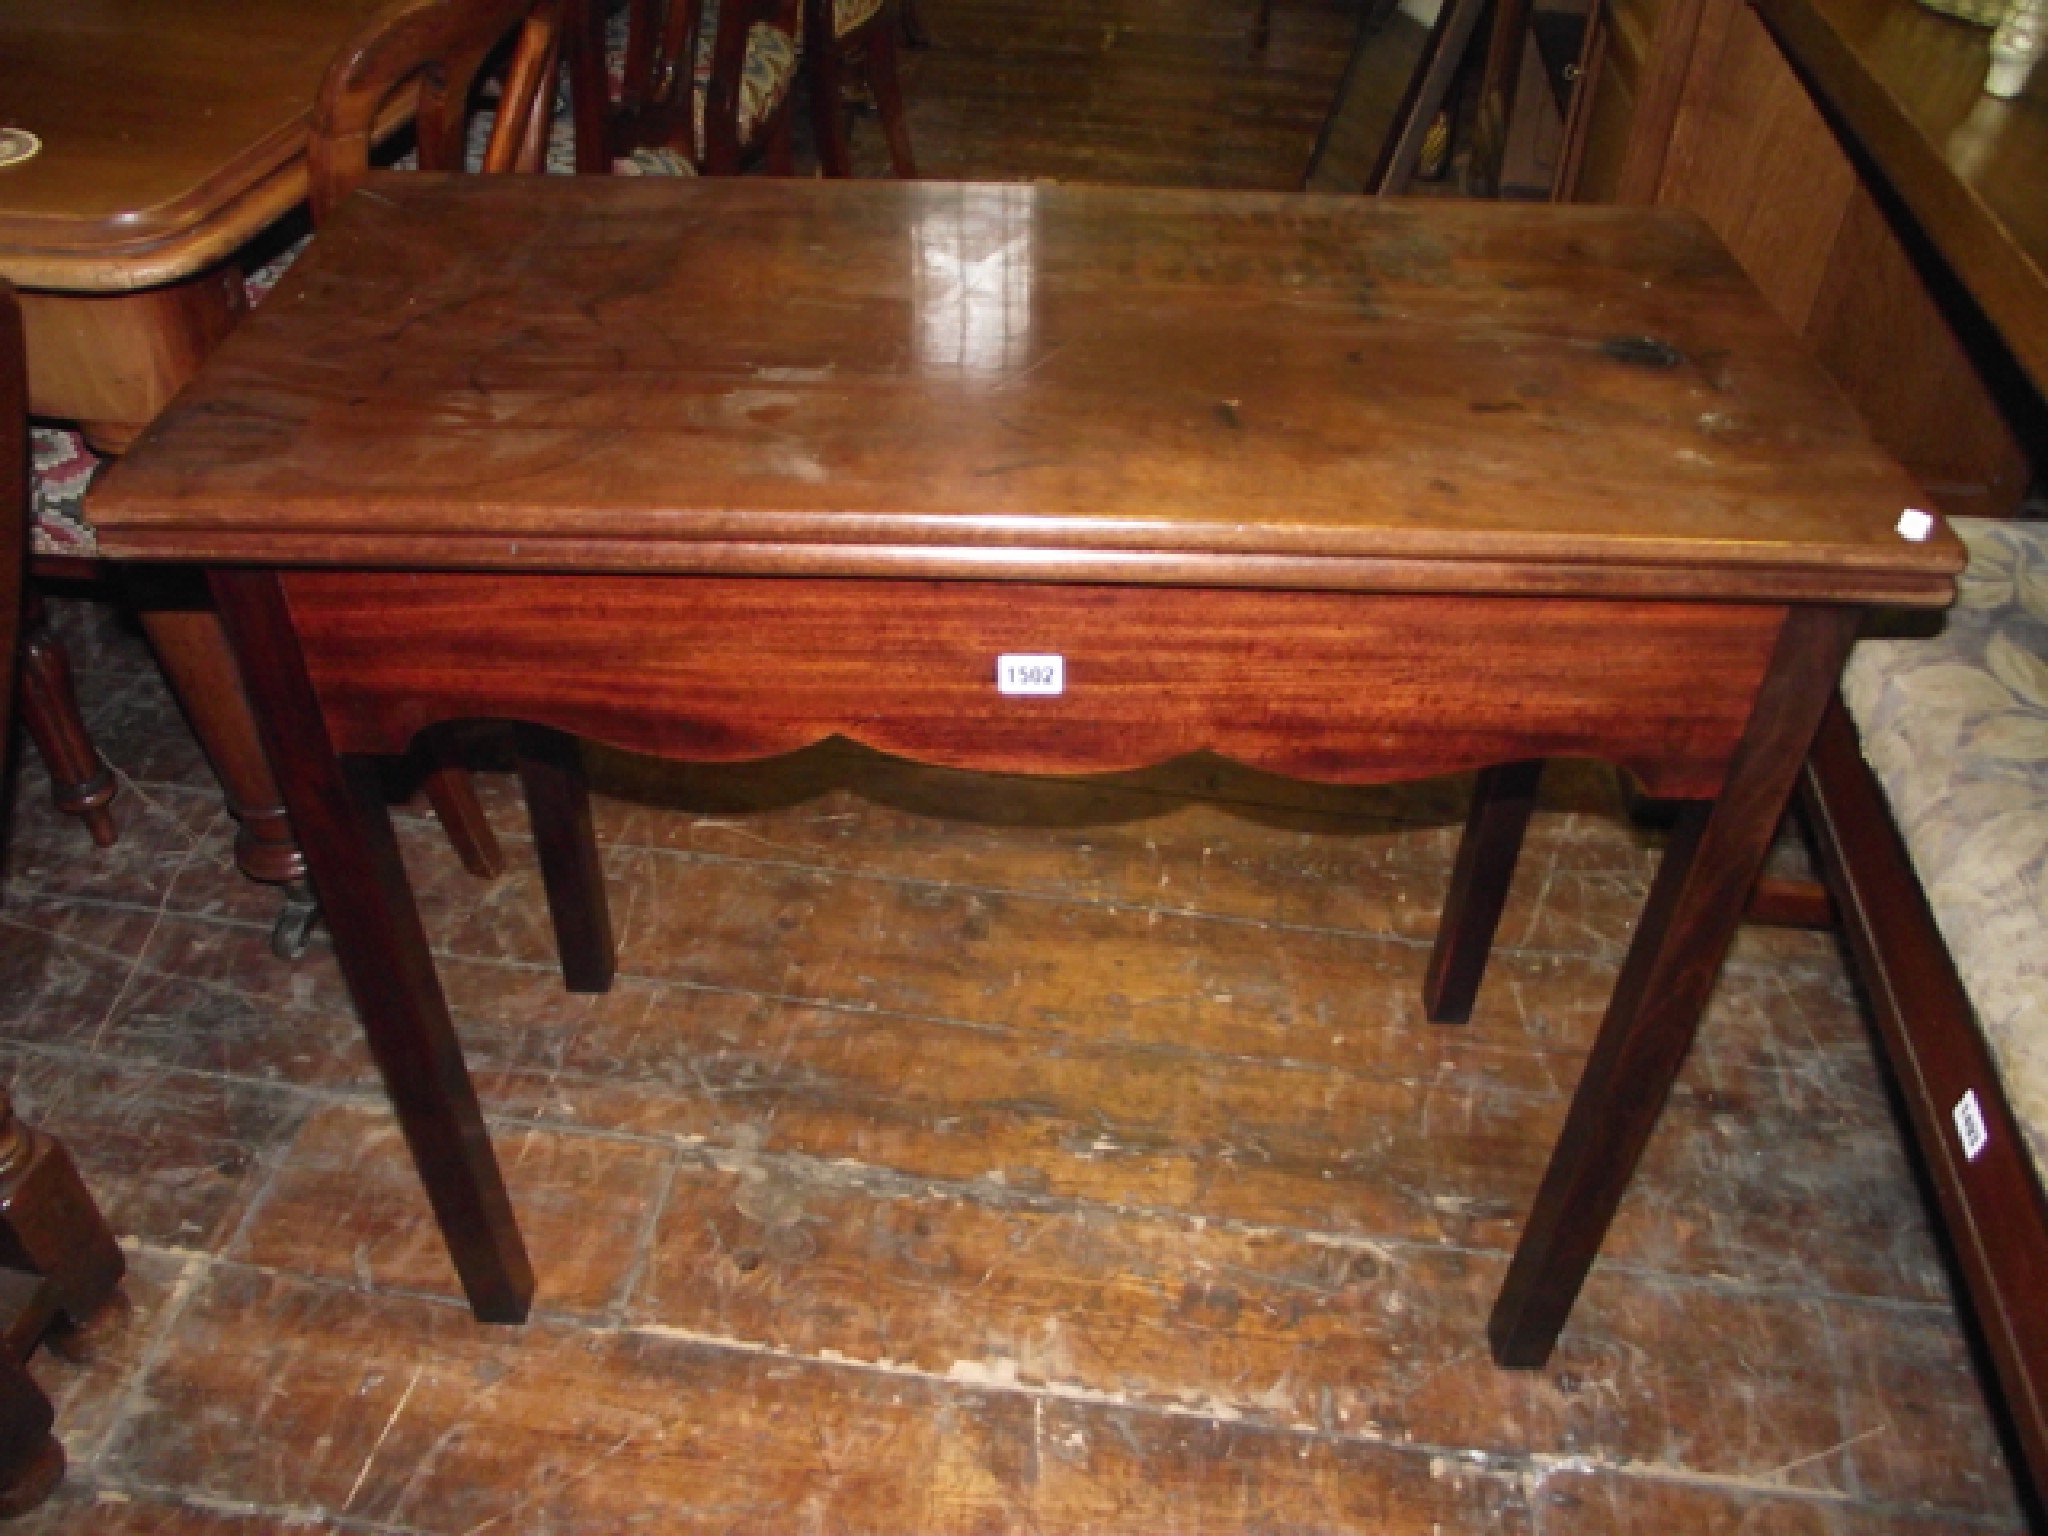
x=172, y=131
x=1009, y=381
x=550, y=451
x=1907, y=85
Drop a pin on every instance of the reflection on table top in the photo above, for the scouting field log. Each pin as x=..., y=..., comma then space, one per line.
x=172, y=131
x=1076, y=383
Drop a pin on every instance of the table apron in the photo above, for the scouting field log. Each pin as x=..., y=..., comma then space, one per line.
x=1338, y=687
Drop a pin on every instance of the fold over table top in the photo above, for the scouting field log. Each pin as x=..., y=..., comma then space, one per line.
x=1032, y=382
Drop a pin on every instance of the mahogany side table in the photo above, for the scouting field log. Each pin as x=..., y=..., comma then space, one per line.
x=1030, y=479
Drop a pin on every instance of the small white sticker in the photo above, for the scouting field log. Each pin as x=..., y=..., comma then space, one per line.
x=1915, y=524
x=1031, y=676
x=1969, y=1117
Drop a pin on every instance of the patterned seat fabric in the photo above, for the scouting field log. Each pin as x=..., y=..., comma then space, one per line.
x=1956, y=730
x=766, y=78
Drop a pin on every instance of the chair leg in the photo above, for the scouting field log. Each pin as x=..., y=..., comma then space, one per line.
x=80, y=781
x=777, y=159
x=888, y=89
x=825, y=63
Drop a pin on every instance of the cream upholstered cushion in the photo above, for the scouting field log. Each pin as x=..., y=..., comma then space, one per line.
x=1955, y=727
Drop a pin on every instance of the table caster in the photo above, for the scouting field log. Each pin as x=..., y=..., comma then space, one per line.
x=296, y=922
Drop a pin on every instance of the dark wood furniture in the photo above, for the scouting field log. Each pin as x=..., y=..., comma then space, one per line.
x=1214, y=451
x=660, y=101
x=1899, y=217
x=870, y=42
x=173, y=132
x=1890, y=212
x=59, y=1264
x=81, y=782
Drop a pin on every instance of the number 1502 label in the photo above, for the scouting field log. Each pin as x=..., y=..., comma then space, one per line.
x=1031, y=676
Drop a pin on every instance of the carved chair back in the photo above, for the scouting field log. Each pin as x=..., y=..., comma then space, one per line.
x=437, y=47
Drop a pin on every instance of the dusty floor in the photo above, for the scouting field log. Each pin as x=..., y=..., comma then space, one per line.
x=963, y=1154
x=972, y=1154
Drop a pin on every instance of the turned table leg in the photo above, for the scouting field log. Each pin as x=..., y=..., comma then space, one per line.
x=81, y=783
x=49, y=1225
x=49, y=1228
x=352, y=854
x=1695, y=904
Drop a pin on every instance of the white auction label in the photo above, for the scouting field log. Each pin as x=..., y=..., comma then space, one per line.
x=1970, y=1127
x=1031, y=676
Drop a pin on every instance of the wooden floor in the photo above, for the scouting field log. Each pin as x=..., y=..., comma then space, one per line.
x=971, y=1154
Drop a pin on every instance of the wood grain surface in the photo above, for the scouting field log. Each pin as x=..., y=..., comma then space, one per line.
x=745, y=376
x=171, y=131
x=1329, y=686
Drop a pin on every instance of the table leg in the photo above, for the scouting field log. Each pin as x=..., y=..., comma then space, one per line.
x=558, y=805
x=338, y=807
x=193, y=652
x=1501, y=802
x=81, y=783
x=1695, y=905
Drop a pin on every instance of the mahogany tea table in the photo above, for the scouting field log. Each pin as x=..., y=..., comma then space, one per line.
x=1030, y=479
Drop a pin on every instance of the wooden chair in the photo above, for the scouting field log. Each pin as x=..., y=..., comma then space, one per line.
x=59, y=1263
x=443, y=46
x=834, y=31
x=683, y=86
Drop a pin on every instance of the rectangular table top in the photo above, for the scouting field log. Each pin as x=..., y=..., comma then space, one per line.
x=1041, y=382
x=172, y=131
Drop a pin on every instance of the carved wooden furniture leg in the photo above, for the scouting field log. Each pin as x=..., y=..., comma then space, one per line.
x=1695, y=905
x=60, y=1264
x=558, y=801
x=196, y=661
x=49, y=1226
x=80, y=781
x=1501, y=802
x=31, y=1459
x=339, y=810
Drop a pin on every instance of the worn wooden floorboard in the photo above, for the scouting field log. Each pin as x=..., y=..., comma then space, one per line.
x=967, y=1153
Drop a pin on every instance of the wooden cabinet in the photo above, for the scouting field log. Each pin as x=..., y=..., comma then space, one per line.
x=1695, y=103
